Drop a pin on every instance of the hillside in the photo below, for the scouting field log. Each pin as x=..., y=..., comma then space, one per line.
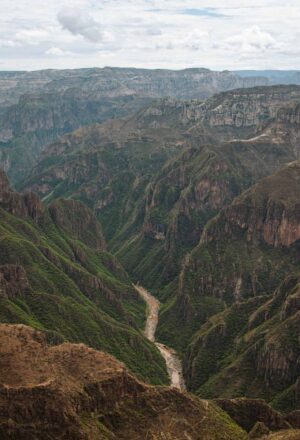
x=237, y=297
x=156, y=178
x=56, y=275
x=72, y=391
x=199, y=201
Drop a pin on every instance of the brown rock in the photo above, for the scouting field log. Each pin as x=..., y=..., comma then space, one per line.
x=258, y=431
x=70, y=391
x=247, y=412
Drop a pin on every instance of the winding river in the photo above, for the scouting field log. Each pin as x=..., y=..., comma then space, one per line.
x=174, y=366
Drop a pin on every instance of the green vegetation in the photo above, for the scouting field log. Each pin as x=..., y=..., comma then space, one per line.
x=75, y=292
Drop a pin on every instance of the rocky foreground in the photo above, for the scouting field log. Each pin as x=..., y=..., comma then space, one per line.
x=70, y=391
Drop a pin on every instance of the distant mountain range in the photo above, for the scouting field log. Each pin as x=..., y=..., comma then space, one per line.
x=273, y=76
x=38, y=107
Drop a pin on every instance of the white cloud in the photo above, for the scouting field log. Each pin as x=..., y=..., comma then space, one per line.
x=31, y=36
x=251, y=39
x=196, y=39
x=56, y=51
x=80, y=22
x=150, y=33
x=7, y=43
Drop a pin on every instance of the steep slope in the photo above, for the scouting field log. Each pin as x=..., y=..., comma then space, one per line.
x=56, y=275
x=257, y=351
x=245, y=253
x=69, y=391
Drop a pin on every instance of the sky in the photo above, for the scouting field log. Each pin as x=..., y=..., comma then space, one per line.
x=216, y=34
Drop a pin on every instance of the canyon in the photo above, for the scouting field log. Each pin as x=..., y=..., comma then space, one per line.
x=149, y=255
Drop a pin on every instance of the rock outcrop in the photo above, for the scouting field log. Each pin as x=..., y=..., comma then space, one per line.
x=247, y=412
x=22, y=205
x=4, y=182
x=71, y=391
x=13, y=281
x=269, y=211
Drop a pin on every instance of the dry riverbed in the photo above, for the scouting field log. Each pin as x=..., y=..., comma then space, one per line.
x=173, y=362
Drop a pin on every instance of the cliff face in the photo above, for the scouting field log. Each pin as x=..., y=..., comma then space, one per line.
x=72, y=391
x=269, y=212
x=264, y=217
x=22, y=205
x=4, y=182
x=188, y=191
x=158, y=179
x=240, y=113
x=248, y=108
x=247, y=412
x=194, y=186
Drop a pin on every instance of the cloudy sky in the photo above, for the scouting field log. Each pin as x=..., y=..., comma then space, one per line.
x=38, y=34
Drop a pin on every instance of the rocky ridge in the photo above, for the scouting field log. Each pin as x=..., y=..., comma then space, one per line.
x=72, y=391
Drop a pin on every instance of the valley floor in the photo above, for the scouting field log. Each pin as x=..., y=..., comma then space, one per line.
x=174, y=366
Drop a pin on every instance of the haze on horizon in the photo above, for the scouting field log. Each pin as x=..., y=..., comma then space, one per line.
x=244, y=34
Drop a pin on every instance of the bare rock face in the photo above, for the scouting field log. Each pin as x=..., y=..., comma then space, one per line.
x=22, y=205
x=13, y=281
x=269, y=211
x=70, y=391
x=248, y=108
x=4, y=182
